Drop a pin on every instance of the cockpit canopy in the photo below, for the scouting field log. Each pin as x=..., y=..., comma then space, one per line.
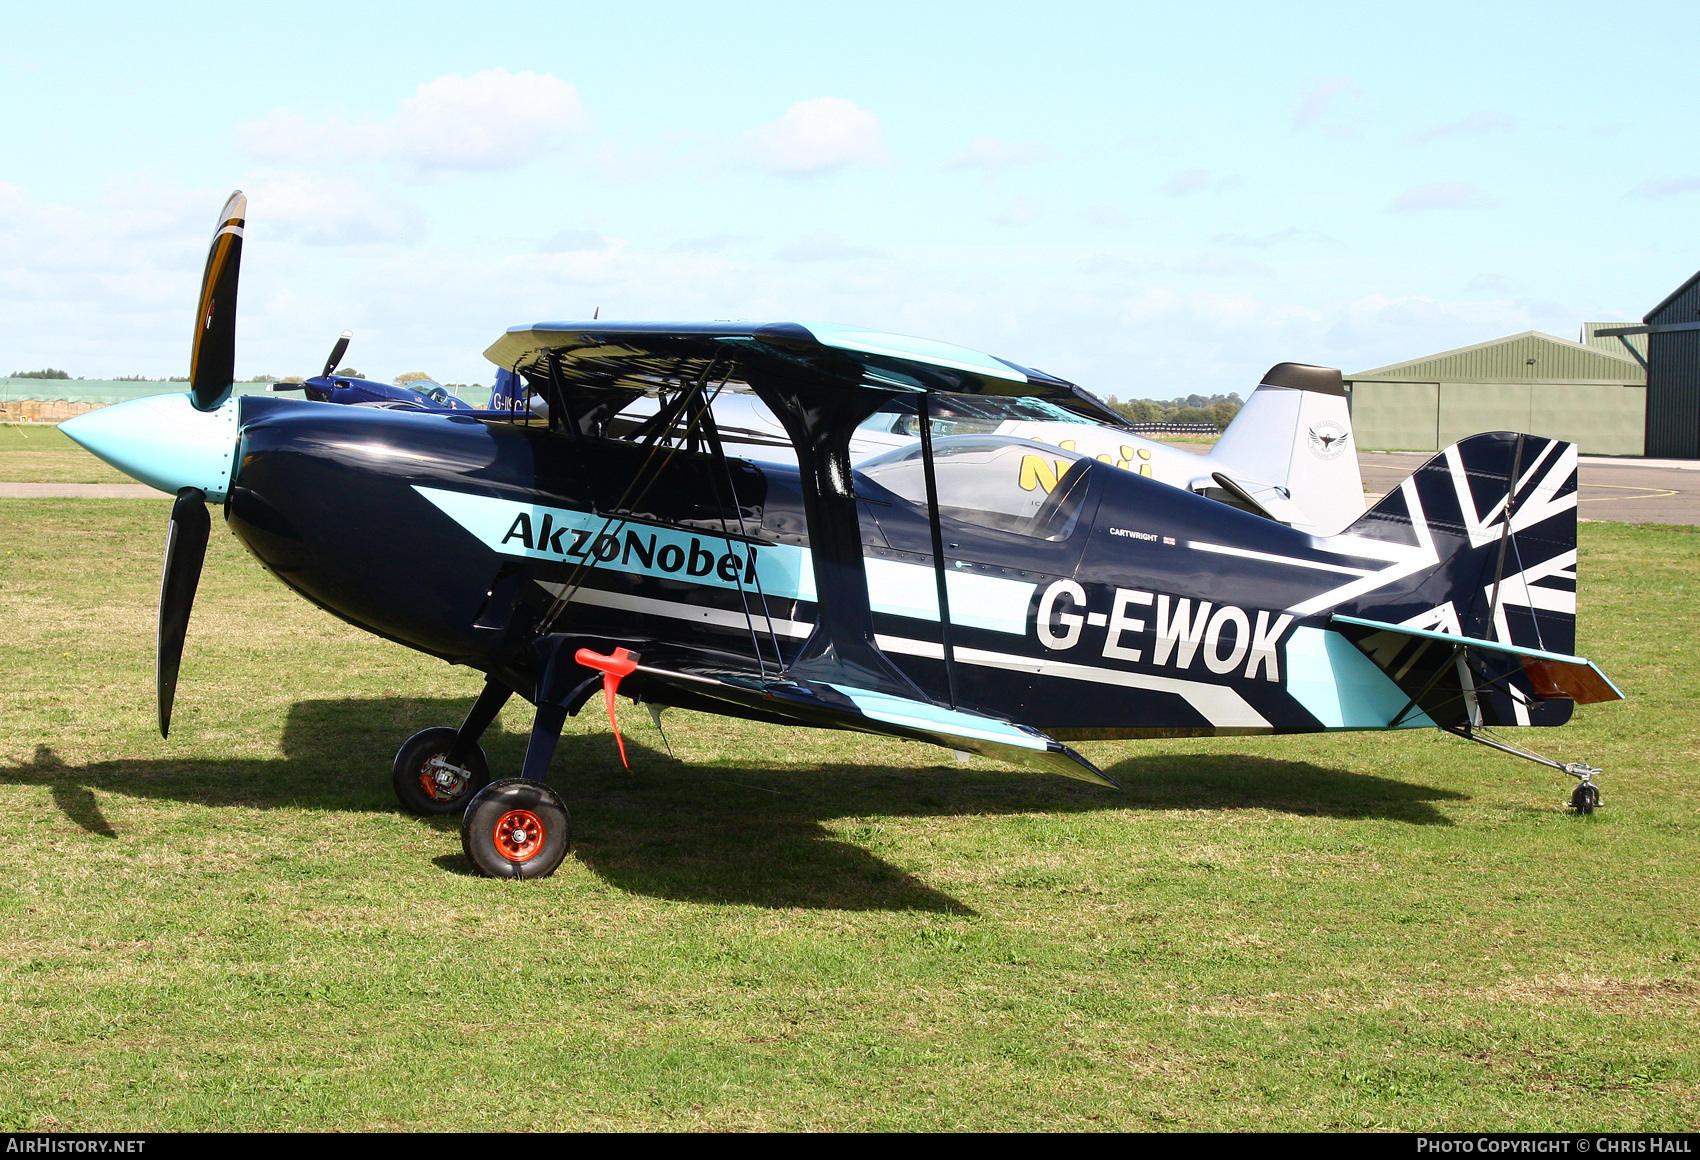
x=966, y=414
x=993, y=481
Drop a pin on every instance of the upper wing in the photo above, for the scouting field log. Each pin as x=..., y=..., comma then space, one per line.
x=646, y=355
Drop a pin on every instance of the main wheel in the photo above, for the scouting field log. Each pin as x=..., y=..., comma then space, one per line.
x=426, y=784
x=516, y=828
x=1584, y=798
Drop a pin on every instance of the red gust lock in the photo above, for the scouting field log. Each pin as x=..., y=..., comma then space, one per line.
x=613, y=668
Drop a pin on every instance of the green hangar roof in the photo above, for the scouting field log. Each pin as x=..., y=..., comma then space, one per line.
x=1530, y=357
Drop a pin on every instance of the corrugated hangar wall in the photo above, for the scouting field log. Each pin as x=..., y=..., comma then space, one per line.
x=1530, y=382
x=1673, y=374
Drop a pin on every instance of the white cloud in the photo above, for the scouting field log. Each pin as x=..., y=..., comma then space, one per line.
x=1023, y=211
x=1106, y=217
x=1475, y=124
x=1487, y=283
x=1279, y=237
x=1665, y=187
x=573, y=242
x=818, y=136
x=1109, y=265
x=85, y=288
x=1217, y=264
x=1321, y=99
x=994, y=156
x=1329, y=106
x=103, y=288
x=707, y=243
x=1440, y=195
x=336, y=212
x=489, y=121
x=1189, y=181
x=822, y=246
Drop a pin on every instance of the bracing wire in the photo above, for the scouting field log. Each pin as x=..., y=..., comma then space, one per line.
x=712, y=430
x=627, y=501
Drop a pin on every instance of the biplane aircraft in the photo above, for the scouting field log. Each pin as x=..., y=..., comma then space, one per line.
x=922, y=593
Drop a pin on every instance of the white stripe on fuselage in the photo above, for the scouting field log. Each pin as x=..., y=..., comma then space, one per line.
x=1221, y=706
x=672, y=609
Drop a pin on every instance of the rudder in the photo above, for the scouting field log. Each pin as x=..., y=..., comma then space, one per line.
x=1451, y=516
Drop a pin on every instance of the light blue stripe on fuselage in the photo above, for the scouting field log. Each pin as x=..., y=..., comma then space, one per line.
x=1340, y=686
x=785, y=571
x=988, y=602
x=519, y=529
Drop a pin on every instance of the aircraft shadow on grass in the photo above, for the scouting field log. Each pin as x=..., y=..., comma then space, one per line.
x=753, y=835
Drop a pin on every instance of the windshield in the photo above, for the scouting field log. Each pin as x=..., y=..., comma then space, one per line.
x=1014, y=485
x=966, y=414
x=435, y=392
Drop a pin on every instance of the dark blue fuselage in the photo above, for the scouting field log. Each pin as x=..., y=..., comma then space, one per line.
x=1141, y=610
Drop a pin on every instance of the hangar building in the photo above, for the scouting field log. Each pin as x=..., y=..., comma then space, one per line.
x=1671, y=334
x=1593, y=393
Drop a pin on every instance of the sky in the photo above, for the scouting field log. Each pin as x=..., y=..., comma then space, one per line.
x=1150, y=200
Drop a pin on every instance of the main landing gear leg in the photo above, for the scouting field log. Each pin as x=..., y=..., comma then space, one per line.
x=545, y=735
x=1584, y=799
x=478, y=718
x=437, y=771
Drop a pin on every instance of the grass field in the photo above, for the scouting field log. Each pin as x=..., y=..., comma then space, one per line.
x=38, y=453
x=785, y=929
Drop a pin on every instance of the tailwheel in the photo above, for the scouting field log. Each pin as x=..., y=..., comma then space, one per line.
x=1585, y=798
x=516, y=828
x=425, y=782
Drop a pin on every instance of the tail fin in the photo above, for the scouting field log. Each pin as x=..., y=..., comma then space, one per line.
x=1295, y=433
x=1484, y=541
x=506, y=394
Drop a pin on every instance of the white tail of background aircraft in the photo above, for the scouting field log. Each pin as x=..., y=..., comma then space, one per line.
x=1294, y=437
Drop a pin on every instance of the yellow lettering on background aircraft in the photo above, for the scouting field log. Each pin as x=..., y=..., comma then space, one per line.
x=1037, y=472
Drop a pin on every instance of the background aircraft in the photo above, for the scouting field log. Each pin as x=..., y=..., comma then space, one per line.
x=923, y=593
x=1288, y=455
x=351, y=390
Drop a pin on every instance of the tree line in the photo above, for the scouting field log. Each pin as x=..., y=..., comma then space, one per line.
x=1217, y=409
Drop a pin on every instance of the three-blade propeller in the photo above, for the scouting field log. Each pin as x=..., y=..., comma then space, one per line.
x=212, y=372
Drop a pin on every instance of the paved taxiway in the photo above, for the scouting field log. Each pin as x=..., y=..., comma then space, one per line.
x=1635, y=491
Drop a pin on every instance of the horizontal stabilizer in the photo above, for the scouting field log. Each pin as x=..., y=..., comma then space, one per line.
x=1555, y=676
x=1260, y=499
x=835, y=706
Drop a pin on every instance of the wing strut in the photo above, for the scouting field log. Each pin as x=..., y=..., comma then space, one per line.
x=819, y=414
x=924, y=407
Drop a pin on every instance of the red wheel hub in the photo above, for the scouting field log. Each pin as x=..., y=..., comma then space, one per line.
x=519, y=835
